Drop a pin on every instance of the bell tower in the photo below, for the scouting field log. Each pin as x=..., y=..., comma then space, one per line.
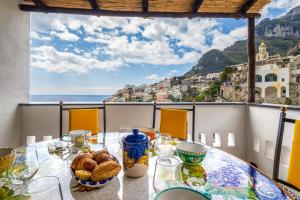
x=262, y=52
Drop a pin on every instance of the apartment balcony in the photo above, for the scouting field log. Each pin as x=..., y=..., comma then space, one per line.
x=248, y=131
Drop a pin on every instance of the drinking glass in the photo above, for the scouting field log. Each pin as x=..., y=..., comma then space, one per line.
x=165, y=174
x=163, y=145
x=47, y=187
x=94, y=139
x=123, y=131
x=24, y=164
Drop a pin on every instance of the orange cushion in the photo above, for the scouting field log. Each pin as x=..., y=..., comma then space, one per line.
x=174, y=122
x=84, y=119
x=294, y=166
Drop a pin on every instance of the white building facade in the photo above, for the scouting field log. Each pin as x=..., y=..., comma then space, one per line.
x=272, y=75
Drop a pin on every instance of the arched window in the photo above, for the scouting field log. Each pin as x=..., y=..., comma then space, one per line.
x=283, y=92
x=258, y=78
x=271, y=78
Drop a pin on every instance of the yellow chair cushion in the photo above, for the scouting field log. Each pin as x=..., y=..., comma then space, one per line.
x=174, y=122
x=294, y=166
x=84, y=119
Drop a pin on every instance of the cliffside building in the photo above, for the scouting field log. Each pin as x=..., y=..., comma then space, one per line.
x=277, y=78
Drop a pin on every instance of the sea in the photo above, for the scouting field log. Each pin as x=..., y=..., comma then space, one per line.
x=68, y=98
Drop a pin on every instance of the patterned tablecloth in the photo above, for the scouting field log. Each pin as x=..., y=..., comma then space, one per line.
x=223, y=177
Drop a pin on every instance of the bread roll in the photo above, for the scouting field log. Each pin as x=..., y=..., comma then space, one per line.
x=102, y=157
x=78, y=161
x=83, y=175
x=105, y=170
x=89, y=164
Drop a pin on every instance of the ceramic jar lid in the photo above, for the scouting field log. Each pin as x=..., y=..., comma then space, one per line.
x=136, y=137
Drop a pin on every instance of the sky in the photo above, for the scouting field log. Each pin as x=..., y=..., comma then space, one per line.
x=76, y=54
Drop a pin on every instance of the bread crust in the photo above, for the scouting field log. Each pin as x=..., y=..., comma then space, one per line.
x=78, y=161
x=102, y=157
x=105, y=170
x=83, y=175
x=89, y=164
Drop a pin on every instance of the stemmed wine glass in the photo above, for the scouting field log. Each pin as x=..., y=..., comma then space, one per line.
x=23, y=165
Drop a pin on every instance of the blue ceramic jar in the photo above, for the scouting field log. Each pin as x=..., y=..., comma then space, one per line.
x=135, y=154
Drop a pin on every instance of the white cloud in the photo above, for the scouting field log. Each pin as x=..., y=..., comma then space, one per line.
x=66, y=35
x=222, y=40
x=154, y=77
x=52, y=60
x=140, y=51
x=126, y=41
x=278, y=4
x=36, y=36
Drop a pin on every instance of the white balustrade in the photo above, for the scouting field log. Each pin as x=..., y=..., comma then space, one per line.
x=231, y=140
x=217, y=142
x=30, y=140
x=203, y=138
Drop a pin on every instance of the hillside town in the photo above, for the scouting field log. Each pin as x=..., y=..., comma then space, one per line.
x=277, y=81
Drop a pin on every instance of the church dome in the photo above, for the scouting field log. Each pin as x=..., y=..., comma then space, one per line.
x=262, y=44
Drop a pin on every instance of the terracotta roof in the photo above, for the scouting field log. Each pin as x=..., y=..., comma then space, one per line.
x=149, y=8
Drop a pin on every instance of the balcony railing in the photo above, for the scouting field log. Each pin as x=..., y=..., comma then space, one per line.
x=247, y=131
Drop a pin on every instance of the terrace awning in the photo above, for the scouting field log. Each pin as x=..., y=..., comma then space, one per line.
x=149, y=8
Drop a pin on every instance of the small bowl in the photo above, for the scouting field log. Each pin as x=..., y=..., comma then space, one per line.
x=5, y=158
x=191, y=153
x=90, y=183
x=180, y=193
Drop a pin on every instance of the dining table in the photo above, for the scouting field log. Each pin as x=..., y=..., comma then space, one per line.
x=224, y=176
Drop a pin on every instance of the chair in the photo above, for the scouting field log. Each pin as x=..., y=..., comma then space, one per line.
x=292, y=185
x=83, y=118
x=167, y=119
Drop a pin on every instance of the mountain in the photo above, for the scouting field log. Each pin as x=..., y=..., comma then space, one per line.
x=295, y=50
x=281, y=36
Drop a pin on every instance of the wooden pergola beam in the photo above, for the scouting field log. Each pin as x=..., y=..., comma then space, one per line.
x=145, y=5
x=196, y=5
x=30, y=8
x=251, y=60
x=94, y=5
x=38, y=3
x=247, y=5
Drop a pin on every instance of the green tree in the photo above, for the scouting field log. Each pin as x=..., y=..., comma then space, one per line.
x=288, y=101
x=201, y=97
x=214, y=87
x=226, y=74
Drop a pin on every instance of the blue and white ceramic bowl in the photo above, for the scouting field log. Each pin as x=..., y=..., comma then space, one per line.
x=191, y=153
x=180, y=193
x=98, y=184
